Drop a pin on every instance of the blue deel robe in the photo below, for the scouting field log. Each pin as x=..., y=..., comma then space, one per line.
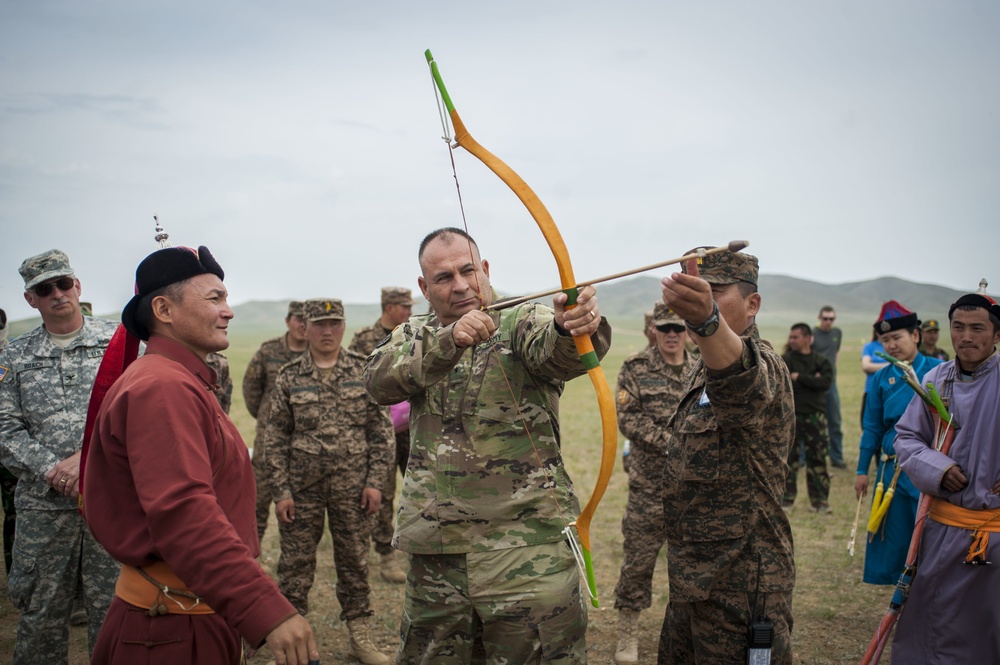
x=885, y=554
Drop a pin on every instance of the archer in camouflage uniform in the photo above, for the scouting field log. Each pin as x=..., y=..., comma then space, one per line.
x=397, y=307
x=812, y=376
x=329, y=451
x=258, y=382
x=47, y=375
x=650, y=384
x=486, y=496
x=725, y=473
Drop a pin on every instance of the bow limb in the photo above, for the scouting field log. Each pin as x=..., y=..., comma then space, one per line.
x=584, y=346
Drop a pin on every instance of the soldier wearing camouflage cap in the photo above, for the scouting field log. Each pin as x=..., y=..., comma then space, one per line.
x=258, y=382
x=46, y=376
x=329, y=450
x=397, y=307
x=724, y=479
x=930, y=332
x=486, y=496
x=650, y=384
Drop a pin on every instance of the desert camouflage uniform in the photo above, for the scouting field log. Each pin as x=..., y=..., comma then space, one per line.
x=724, y=480
x=327, y=441
x=44, y=395
x=258, y=382
x=648, y=393
x=364, y=342
x=474, y=486
x=220, y=364
x=366, y=339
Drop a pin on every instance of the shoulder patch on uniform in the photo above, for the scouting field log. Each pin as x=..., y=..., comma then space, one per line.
x=623, y=397
x=3, y=373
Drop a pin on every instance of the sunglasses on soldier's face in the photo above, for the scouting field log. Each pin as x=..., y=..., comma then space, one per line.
x=670, y=327
x=44, y=290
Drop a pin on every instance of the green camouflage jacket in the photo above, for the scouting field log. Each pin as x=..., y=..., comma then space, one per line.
x=366, y=339
x=725, y=477
x=476, y=480
x=44, y=394
x=320, y=426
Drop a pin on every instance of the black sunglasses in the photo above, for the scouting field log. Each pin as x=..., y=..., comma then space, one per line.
x=671, y=327
x=44, y=290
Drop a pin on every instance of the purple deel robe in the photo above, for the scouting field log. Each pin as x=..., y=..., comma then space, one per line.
x=953, y=611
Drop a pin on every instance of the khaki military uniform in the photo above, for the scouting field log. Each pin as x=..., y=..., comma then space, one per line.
x=366, y=339
x=648, y=393
x=482, y=419
x=327, y=440
x=44, y=393
x=723, y=485
x=258, y=383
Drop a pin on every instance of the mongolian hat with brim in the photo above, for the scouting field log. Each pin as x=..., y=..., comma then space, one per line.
x=163, y=268
x=895, y=316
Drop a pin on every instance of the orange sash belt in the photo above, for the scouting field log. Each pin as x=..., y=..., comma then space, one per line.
x=980, y=522
x=166, y=594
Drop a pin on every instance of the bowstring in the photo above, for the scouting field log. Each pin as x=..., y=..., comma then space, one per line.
x=571, y=535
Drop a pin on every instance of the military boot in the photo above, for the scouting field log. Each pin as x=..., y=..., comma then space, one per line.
x=628, y=637
x=392, y=570
x=362, y=646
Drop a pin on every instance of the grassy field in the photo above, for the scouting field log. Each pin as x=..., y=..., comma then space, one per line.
x=835, y=613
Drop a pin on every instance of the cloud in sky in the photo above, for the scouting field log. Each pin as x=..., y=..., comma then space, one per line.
x=300, y=140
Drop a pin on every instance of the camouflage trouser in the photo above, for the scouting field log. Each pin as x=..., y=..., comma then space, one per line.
x=261, y=475
x=8, y=483
x=811, y=432
x=714, y=632
x=54, y=554
x=525, y=603
x=351, y=529
x=385, y=521
x=643, y=530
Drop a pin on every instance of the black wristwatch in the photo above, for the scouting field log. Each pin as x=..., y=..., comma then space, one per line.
x=711, y=324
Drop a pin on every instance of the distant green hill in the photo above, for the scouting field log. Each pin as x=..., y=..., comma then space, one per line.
x=786, y=301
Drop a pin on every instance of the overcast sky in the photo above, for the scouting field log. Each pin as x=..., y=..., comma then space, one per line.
x=300, y=140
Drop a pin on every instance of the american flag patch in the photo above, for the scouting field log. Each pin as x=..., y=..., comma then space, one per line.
x=3, y=373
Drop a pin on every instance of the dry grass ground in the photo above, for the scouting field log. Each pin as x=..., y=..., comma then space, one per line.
x=835, y=614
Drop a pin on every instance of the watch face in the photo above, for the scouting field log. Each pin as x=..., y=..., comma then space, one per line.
x=711, y=328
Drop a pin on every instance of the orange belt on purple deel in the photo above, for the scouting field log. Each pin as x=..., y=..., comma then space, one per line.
x=158, y=590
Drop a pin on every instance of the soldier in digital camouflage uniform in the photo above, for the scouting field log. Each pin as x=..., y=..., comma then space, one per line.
x=8, y=481
x=329, y=450
x=486, y=496
x=812, y=376
x=650, y=384
x=45, y=380
x=725, y=473
x=220, y=364
x=258, y=382
x=397, y=307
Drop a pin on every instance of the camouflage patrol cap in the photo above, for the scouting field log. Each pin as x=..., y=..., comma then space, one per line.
x=725, y=267
x=397, y=295
x=43, y=267
x=297, y=308
x=664, y=316
x=318, y=309
x=930, y=324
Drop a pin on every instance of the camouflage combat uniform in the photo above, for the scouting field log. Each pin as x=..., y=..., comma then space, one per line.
x=364, y=342
x=258, y=383
x=481, y=518
x=724, y=479
x=327, y=441
x=8, y=483
x=648, y=392
x=811, y=428
x=220, y=364
x=44, y=395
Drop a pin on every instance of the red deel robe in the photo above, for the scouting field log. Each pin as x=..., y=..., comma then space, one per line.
x=169, y=479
